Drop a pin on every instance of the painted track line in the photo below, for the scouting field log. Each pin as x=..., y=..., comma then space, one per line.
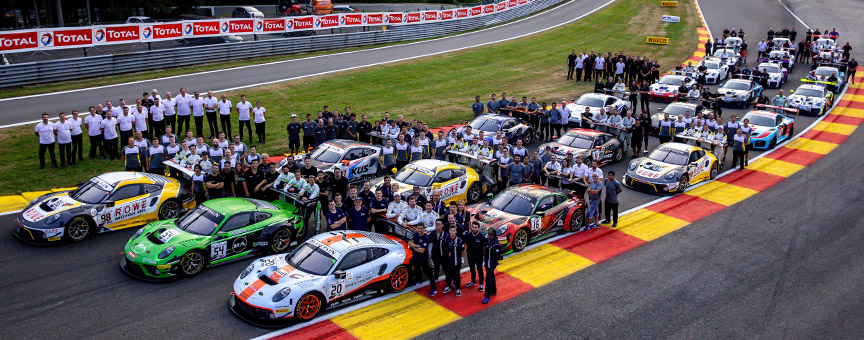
x=793, y=14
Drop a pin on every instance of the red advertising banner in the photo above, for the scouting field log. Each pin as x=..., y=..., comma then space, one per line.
x=201, y=28
x=19, y=41
x=116, y=34
x=411, y=18
x=489, y=9
x=162, y=31
x=75, y=37
x=270, y=25
x=512, y=3
x=302, y=23
x=393, y=18
x=351, y=20
x=447, y=15
x=500, y=6
x=430, y=16
x=473, y=11
x=522, y=2
x=237, y=26
x=462, y=13
x=373, y=19
x=327, y=21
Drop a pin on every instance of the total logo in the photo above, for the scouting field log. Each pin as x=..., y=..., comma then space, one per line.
x=259, y=26
x=317, y=22
x=224, y=27
x=187, y=28
x=341, y=20
x=100, y=34
x=364, y=20
x=147, y=32
x=47, y=39
x=289, y=24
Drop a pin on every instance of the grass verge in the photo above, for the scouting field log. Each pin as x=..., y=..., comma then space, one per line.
x=437, y=89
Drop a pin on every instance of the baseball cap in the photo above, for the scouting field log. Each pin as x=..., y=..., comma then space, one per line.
x=293, y=115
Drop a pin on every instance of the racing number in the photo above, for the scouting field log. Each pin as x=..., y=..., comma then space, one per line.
x=105, y=219
x=535, y=224
x=336, y=289
x=217, y=250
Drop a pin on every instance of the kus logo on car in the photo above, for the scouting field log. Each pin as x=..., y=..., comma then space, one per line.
x=147, y=32
x=99, y=35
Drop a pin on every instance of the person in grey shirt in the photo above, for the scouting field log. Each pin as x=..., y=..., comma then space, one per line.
x=613, y=188
x=594, y=189
x=516, y=170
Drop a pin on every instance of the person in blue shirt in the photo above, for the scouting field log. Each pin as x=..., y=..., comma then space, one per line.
x=536, y=165
x=335, y=217
x=378, y=207
x=516, y=171
x=455, y=248
x=320, y=134
x=533, y=115
x=491, y=256
x=475, y=242
x=477, y=107
x=554, y=121
x=358, y=216
x=492, y=105
x=544, y=123
x=419, y=245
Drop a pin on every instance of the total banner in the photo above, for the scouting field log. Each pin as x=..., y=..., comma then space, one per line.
x=73, y=37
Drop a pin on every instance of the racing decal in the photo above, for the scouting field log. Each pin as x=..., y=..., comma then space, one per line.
x=647, y=173
x=336, y=289
x=362, y=166
x=167, y=235
x=218, y=250
x=33, y=215
x=268, y=261
x=453, y=189
x=325, y=248
x=700, y=167
x=130, y=209
x=238, y=245
x=536, y=224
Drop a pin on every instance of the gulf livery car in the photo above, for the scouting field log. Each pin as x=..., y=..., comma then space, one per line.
x=107, y=202
x=594, y=101
x=455, y=181
x=671, y=168
x=591, y=144
x=666, y=90
x=810, y=98
x=358, y=161
x=528, y=212
x=782, y=57
x=769, y=128
x=511, y=127
x=777, y=74
x=739, y=92
x=326, y=271
x=715, y=70
x=213, y=233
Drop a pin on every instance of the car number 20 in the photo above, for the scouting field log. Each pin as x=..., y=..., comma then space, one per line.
x=336, y=288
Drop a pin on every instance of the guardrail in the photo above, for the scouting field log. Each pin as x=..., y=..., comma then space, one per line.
x=106, y=65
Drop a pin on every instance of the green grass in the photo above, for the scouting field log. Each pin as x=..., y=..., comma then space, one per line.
x=437, y=90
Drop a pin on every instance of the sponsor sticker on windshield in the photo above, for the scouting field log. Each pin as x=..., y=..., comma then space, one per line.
x=327, y=249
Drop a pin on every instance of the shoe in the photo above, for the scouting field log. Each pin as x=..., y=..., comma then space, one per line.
x=41, y=167
x=614, y=225
x=469, y=284
x=458, y=293
x=446, y=290
x=645, y=152
x=481, y=288
x=605, y=222
x=433, y=292
x=485, y=301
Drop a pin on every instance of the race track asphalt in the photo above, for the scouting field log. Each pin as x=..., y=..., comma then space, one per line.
x=732, y=275
x=25, y=109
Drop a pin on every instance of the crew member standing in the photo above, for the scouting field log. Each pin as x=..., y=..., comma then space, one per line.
x=477, y=106
x=260, y=117
x=184, y=110
x=455, y=248
x=210, y=106
x=571, y=64
x=243, y=109
x=169, y=106
x=490, y=260
x=77, y=136
x=224, y=107
x=126, y=121
x=94, y=133
x=419, y=245
x=475, y=241
x=45, y=132
x=63, y=129
x=157, y=115
x=109, y=135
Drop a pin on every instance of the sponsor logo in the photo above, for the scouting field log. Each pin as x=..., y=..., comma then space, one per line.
x=132, y=255
x=365, y=19
x=474, y=11
x=430, y=16
x=289, y=24
x=240, y=26
x=205, y=28
x=147, y=32
x=329, y=21
x=394, y=18
x=512, y=3
x=446, y=15
x=412, y=18
x=72, y=37
x=55, y=238
x=46, y=39
x=283, y=310
x=462, y=13
x=119, y=33
x=15, y=41
x=238, y=244
x=260, y=244
x=100, y=34
x=140, y=248
x=259, y=26
x=130, y=209
x=352, y=19
x=303, y=23
x=187, y=29
x=224, y=27
x=33, y=215
x=163, y=266
x=489, y=9
x=500, y=6
x=658, y=40
x=669, y=3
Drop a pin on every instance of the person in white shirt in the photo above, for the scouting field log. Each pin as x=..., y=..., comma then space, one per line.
x=184, y=110
x=210, y=107
x=200, y=147
x=109, y=135
x=140, y=119
x=157, y=115
x=125, y=121
x=94, y=133
x=198, y=112
x=243, y=110
x=260, y=115
x=551, y=168
x=599, y=64
x=565, y=116
x=63, y=130
x=224, y=107
x=77, y=136
x=45, y=132
x=169, y=104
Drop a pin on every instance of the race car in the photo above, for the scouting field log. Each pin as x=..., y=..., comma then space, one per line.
x=526, y=213
x=358, y=161
x=594, y=101
x=107, y=202
x=729, y=55
x=455, y=181
x=215, y=232
x=826, y=44
x=511, y=127
x=678, y=109
x=591, y=144
x=326, y=271
x=769, y=128
x=666, y=90
x=776, y=74
x=739, y=92
x=715, y=70
x=671, y=168
x=823, y=73
x=734, y=43
x=781, y=57
x=780, y=42
x=811, y=98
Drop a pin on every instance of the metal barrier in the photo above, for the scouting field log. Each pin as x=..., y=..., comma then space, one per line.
x=107, y=65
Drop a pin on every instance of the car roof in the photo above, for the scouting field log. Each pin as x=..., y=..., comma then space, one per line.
x=746, y=81
x=678, y=146
x=345, y=143
x=344, y=240
x=761, y=113
x=433, y=164
x=830, y=68
x=810, y=87
x=115, y=178
x=497, y=117
x=249, y=8
x=682, y=77
x=535, y=191
x=586, y=132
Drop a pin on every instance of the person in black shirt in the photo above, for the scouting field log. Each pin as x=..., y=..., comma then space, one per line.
x=294, y=135
x=332, y=129
x=438, y=241
x=254, y=181
x=644, y=96
x=214, y=184
x=475, y=242
x=363, y=129
x=270, y=177
x=338, y=183
x=491, y=256
x=227, y=180
x=634, y=94
x=367, y=194
x=320, y=133
x=377, y=208
x=290, y=164
x=324, y=187
x=341, y=128
x=455, y=248
x=851, y=68
x=421, y=199
x=308, y=126
x=307, y=169
x=645, y=121
x=598, y=86
x=571, y=64
x=420, y=247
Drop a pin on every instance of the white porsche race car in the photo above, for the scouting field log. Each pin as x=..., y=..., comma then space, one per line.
x=716, y=70
x=810, y=98
x=776, y=74
x=358, y=161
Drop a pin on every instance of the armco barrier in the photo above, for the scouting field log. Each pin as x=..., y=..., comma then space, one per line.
x=106, y=65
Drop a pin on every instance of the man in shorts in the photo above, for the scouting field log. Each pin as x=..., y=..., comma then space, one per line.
x=594, y=189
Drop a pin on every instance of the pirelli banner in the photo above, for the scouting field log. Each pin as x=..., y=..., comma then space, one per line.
x=75, y=37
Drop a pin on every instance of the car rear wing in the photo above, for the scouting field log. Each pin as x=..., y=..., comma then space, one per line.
x=842, y=67
x=819, y=82
x=305, y=205
x=486, y=167
x=173, y=164
x=777, y=108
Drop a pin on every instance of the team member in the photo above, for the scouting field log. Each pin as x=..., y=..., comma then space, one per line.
x=738, y=149
x=184, y=110
x=211, y=105
x=490, y=261
x=141, y=116
x=419, y=245
x=109, y=135
x=438, y=241
x=594, y=189
x=94, y=133
x=157, y=115
x=45, y=132
x=359, y=216
x=477, y=106
x=613, y=188
x=335, y=217
x=309, y=127
x=293, y=130
x=224, y=107
x=131, y=155
x=77, y=136
x=475, y=242
x=254, y=181
x=125, y=121
x=63, y=130
x=243, y=109
x=169, y=106
x=550, y=169
x=198, y=185
x=157, y=153
x=198, y=111
x=455, y=249
x=492, y=105
x=214, y=183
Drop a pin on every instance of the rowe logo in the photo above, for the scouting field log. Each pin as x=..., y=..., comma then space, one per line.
x=18, y=41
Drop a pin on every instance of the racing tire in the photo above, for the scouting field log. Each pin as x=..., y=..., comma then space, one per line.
x=520, y=240
x=577, y=219
x=619, y=154
x=308, y=306
x=192, y=263
x=715, y=170
x=169, y=209
x=399, y=278
x=773, y=143
x=78, y=229
x=280, y=241
x=474, y=193
x=683, y=183
x=527, y=138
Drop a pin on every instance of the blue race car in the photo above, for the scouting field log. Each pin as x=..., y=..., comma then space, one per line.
x=511, y=127
x=739, y=92
x=769, y=128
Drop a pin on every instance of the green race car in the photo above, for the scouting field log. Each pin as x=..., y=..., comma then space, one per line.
x=212, y=233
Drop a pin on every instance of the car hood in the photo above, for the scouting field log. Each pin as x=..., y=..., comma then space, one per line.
x=577, y=110
x=651, y=170
x=269, y=275
x=161, y=235
x=494, y=218
x=733, y=93
x=663, y=88
x=798, y=99
x=562, y=150
x=758, y=130
x=50, y=205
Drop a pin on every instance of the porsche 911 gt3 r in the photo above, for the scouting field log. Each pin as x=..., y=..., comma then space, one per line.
x=358, y=161
x=824, y=72
x=511, y=127
x=776, y=74
x=528, y=212
x=666, y=90
x=811, y=98
x=678, y=109
x=729, y=55
x=671, y=168
x=591, y=144
x=328, y=270
x=107, y=202
x=781, y=57
x=739, y=92
x=769, y=128
x=594, y=101
x=455, y=181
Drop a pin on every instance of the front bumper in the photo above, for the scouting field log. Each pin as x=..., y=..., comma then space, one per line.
x=34, y=236
x=736, y=102
x=147, y=272
x=649, y=187
x=761, y=143
x=665, y=97
x=257, y=316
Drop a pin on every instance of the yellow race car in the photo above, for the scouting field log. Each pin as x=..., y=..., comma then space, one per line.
x=107, y=202
x=671, y=168
x=454, y=181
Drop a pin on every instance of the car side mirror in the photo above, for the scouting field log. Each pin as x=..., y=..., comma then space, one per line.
x=222, y=234
x=693, y=165
x=108, y=203
x=339, y=274
x=436, y=185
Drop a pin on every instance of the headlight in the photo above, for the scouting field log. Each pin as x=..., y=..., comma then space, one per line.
x=282, y=294
x=632, y=166
x=501, y=230
x=669, y=175
x=163, y=254
x=53, y=218
x=246, y=271
x=137, y=233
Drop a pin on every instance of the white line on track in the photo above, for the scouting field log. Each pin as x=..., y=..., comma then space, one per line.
x=793, y=14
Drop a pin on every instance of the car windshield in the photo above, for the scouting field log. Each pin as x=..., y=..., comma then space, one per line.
x=712, y=66
x=311, y=259
x=809, y=93
x=720, y=52
x=777, y=55
x=326, y=154
x=825, y=72
x=668, y=155
x=413, y=177
x=200, y=221
x=760, y=120
x=671, y=80
x=770, y=69
x=735, y=85
x=575, y=140
x=676, y=110
x=482, y=124
x=590, y=101
x=514, y=203
x=90, y=193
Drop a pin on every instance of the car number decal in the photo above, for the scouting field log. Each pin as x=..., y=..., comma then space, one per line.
x=535, y=224
x=336, y=289
x=167, y=235
x=217, y=250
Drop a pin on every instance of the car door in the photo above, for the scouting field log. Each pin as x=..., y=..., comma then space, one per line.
x=543, y=215
x=598, y=153
x=555, y=214
x=349, y=160
x=446, y=182
x=353, y=272
x=125, y=207
x=698, y=167
x=234, y=236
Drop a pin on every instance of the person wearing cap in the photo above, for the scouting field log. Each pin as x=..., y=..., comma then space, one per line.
x=359, y=216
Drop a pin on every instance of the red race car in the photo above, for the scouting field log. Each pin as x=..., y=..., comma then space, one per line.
x=525, y=213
